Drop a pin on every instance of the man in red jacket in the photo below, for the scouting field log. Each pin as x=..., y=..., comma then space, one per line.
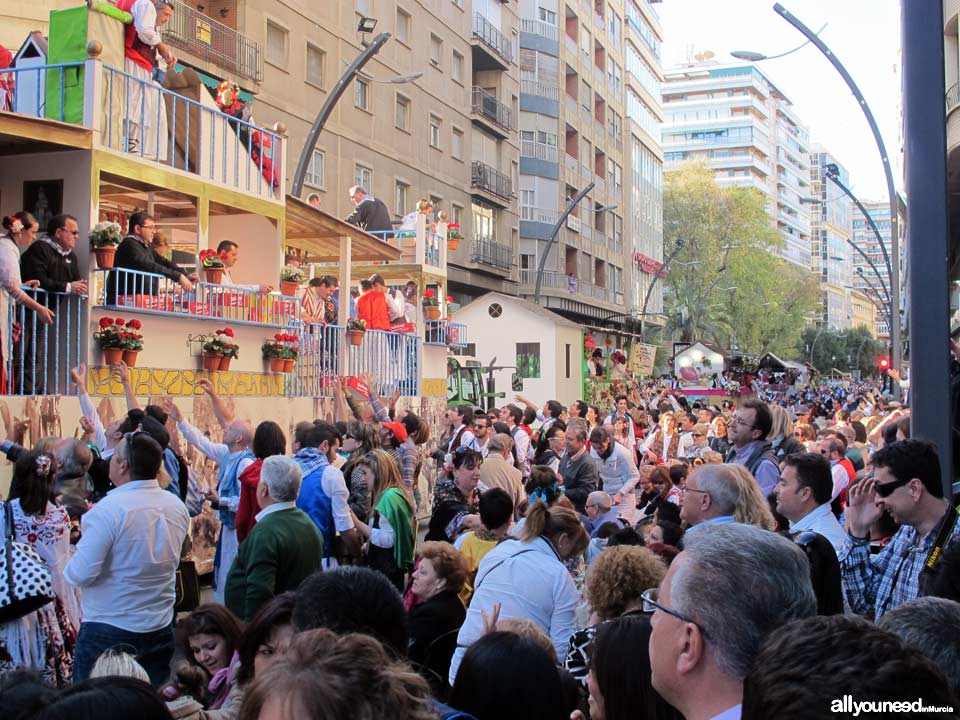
x=372, y=305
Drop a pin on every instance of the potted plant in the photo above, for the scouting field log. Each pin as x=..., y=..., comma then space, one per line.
x=230, y=350
x=119, y=340
x=290, y=353
x=290, y=278
x=431, y=304
x=212, y=263
x=213, y=347
x=356, y=330
x=275, y=352
x=104, y=239
x=453, y=236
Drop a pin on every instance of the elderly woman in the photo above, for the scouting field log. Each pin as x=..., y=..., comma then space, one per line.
x=614, y=583
x=700, y=444
x=434, y=622
x=618, y=472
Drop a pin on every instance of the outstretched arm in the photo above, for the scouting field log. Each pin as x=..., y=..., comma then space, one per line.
x=121, y=372
x=224, y=416
x=79, y=377
x=340, y=411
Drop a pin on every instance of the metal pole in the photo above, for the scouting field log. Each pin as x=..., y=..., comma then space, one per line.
x=342, y=84
x=663, y=272
x=925, y=150
x=888, y=173
x=553, y=236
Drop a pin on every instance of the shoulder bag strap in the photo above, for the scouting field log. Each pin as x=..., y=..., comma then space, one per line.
x=476, y=585
x=8, y=533
x=943, y=535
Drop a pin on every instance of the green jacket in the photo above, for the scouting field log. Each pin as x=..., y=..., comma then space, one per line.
x=281, y=550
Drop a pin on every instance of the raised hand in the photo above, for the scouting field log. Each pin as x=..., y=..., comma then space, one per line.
x=79, y=376
x=862, y=510
x=207, y=386
x=120, y=372
x=173, y=410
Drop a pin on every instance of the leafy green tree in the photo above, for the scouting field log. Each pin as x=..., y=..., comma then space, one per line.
x=848, y=350
x=726, y=285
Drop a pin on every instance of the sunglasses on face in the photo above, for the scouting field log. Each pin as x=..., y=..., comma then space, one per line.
x=886, y=489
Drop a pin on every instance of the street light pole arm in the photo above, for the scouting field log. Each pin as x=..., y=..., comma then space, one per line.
x=663, y=272
x=888, y=173
x=342, y=84
x=553, y=236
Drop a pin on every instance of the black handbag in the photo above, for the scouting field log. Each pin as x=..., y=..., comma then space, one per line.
x=25, y=581
x=188, y=587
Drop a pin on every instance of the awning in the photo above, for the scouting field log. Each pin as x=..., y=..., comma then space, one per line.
x=318, y=233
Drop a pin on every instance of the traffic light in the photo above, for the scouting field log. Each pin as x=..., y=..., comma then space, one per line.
x=884, y=364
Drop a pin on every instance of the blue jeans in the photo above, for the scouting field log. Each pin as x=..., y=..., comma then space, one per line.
x=153, y=650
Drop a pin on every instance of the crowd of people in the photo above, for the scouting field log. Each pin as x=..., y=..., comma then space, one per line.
x=659, y=558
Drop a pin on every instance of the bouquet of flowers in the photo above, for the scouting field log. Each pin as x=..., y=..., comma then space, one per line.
x=221, y=343
x=105, y=234
x=453, y=232
x=430, y=298
x=212, y=259
x=117, y=333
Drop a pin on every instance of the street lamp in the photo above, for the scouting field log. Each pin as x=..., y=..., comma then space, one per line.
x=556, y=230
x=757, y=57
x=884, y=157
x=813, y=345
x=366, y=25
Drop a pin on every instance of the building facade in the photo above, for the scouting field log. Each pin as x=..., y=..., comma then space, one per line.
x=576, y=128
x=831, y=227
x=738, y=120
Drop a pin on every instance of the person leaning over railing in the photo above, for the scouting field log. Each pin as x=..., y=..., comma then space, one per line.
x=137, y=253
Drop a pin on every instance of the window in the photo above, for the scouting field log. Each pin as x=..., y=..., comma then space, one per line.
x=401, y=206
x=457, y=213
x=276, y=44
x=456, y=146
x=436, y=50
x=403, y=26
x=361, y=97
x=528, y=360
x=434, y=132
x=456, y=69
x=547, y=16
x=316, y=58
x=363, y=176
x=528, y=203
x=316, y=170
x=403, y=113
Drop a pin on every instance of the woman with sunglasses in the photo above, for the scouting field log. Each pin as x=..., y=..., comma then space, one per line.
x=550, y=448
x=455, y=501
x=360, y=440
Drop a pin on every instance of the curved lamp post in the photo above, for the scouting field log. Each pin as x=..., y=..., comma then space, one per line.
x=888, y=173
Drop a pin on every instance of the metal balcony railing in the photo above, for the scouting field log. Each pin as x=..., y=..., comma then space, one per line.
x=488, y=106
x=158, y=295
x=446, y=333
x=487, y=251
x=319, y=360
x=952, y=97
x=493, y=181
x=538, y=27
x=393, y=358
x=539, y=151
x=39, y=362
x=205, y=38
x=490, y=36
x=540, y=89
x=540, y=215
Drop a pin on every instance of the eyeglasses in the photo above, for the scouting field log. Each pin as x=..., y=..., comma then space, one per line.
x=697, y=435
x=886, y=489
x=740, y=421
x=697, y=490
x=651, y=604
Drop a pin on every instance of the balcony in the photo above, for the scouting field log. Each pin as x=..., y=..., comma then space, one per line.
x=539, y=159
x=486, y=251
x=445, y=333
x=491, y=113
x=493, y=183
x=540, y=36
x=187, y=135
x=205, y=38
x=540, y=89
x=952, y=97
x=491, y=48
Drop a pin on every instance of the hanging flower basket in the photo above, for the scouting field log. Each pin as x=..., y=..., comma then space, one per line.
x=119, y=339
x=276, y=364
x=219, y=347
x=105, y=256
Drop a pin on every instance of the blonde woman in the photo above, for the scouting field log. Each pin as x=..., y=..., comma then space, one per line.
x=391, y=531
x=751, y=507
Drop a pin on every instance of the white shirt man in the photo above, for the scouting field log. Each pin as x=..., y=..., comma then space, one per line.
x=126, y=563
x=832, y=449
x=803, y=497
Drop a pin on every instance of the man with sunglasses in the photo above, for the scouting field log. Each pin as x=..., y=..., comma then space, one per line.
x=906, y=483
x=51, y=264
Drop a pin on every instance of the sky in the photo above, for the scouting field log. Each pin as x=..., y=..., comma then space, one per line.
x=864, y=35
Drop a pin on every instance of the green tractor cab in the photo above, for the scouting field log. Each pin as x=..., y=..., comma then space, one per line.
x=467, y=386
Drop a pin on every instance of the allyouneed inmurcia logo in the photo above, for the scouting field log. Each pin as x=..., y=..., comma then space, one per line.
x=849, y=706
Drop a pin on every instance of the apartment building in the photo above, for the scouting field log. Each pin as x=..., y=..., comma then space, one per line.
x=574, y=131
x=864, y=277
x=737, y=119
x=831, y=223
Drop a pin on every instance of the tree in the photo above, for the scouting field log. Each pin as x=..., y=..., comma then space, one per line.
x=729, y=243
x=826, y=349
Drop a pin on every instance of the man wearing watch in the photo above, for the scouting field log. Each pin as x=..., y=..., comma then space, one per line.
x=907, y=484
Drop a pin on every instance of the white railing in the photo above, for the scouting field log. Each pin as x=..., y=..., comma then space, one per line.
x=540, y=215
x=538, y=27
x=319, y=360
x=540, y=89
x=393, y=358
x=539, y=151
x=38, y=357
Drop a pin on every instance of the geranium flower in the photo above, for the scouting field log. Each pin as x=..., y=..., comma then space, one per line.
x=105, y=323
x=228, y=332
x=119, y=321
x=134, y=323
x=449, y=298
x=428, y=293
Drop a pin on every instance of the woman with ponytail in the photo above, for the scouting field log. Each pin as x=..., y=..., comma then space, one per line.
x=527, y=579
x=18, y=232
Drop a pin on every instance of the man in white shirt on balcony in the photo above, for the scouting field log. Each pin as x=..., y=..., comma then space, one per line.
x=126, y=563
x=229, y=251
